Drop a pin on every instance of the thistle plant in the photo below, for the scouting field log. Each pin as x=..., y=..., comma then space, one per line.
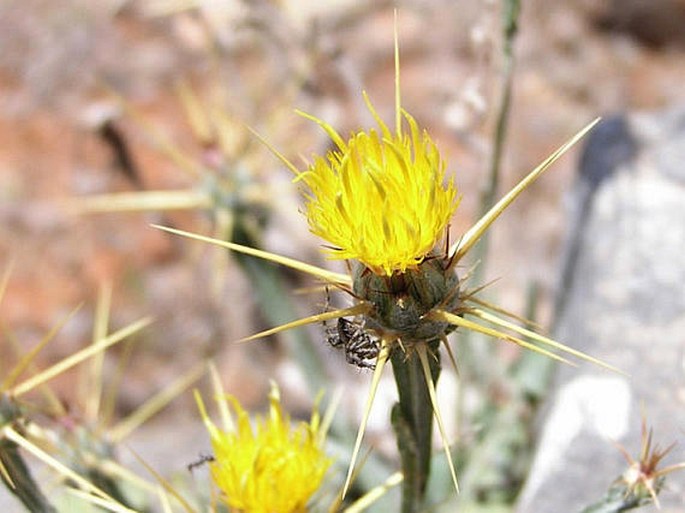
x=382, y=200
x=275, y=467
x=270, y=467
x=85, y=455
x=79, y=444
x=228, y=188
x=641, y=481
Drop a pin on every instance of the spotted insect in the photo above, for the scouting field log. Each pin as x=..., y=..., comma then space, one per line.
x=361, y=348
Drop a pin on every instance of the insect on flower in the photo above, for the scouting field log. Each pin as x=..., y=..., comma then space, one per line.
x=383, y=201
x=361, y=348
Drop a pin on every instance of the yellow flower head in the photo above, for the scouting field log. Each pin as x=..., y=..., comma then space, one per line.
x=380, y=198
x=273, y=467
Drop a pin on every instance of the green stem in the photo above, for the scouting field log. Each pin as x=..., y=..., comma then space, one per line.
x=476, y=357
x=412, y=419
x=618, y=499
x=487, y=199
x=22, y=486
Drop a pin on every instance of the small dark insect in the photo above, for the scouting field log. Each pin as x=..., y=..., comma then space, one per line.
x=202, y=460
x=361, y=348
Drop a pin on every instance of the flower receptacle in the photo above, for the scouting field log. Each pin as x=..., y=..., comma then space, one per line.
x=402, y=300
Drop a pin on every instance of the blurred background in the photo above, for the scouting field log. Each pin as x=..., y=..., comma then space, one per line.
x=136, y=96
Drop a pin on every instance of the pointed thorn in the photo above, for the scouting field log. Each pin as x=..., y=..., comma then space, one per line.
x=455, y=320
x=421, y=350
x=328, y=276
x=472, y=236
x=542, y=339
x=326, y=316
x=375, y=380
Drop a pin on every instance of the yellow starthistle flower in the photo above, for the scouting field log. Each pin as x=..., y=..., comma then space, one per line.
x=271, y=467
x=383, y=201
x=407, y=308
x=380, y=198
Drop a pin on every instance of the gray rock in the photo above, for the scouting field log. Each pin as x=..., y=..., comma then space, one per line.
x=622, y=299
